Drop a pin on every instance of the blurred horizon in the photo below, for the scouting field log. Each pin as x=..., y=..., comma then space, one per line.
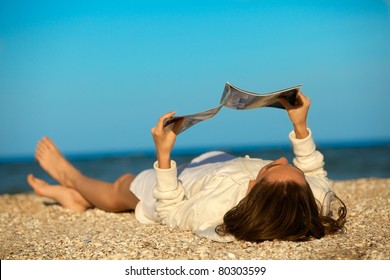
x=196, y=150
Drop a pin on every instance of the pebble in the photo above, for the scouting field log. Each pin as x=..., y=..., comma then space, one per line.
x=231, y=256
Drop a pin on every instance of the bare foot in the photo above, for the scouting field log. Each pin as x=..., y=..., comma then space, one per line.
x=67, y=197
x=54, y=163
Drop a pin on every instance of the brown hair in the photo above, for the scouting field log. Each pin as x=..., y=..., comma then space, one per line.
x=283, y=210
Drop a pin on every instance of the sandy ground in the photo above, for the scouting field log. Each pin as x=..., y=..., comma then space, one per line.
x=34, y=228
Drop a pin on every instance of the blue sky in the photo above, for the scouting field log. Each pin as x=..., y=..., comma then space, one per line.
x=96, y=75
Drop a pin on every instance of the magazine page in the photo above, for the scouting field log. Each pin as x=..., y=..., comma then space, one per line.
x=190, y=120
x=235, y=98
x=239, y=99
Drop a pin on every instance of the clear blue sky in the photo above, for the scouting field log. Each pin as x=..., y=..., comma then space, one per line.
x=96, y=75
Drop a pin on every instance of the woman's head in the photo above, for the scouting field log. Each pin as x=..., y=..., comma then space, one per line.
x=277, y=171
x=279, y=205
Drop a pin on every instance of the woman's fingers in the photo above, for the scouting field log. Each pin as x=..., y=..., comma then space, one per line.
x=300, y=100
x=285, y=103
x=160, y=123
x=177, y=125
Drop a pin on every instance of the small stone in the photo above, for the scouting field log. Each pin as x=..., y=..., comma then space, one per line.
x=231, y=256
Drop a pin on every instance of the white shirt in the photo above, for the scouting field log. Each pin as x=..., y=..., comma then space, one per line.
x=214, y=183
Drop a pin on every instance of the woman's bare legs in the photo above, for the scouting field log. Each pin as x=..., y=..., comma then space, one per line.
x=112, y=197
x=67, y=197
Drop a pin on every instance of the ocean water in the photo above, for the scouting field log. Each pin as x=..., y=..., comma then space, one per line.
x=341, y=163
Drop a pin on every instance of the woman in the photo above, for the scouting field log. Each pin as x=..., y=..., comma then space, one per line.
x=217, y=195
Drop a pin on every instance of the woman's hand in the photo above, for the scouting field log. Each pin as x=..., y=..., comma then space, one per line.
x=298, y=114
x=164, y=141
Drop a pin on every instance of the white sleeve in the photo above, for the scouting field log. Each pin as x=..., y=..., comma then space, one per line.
x=311, y=162
x=307, y=158
x=168, y=191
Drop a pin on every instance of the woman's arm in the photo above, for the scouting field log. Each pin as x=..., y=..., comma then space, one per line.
x=298, y=114
x=168, y=191
x=164, y=141
x=307, y=158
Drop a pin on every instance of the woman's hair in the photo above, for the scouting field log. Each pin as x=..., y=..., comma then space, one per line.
x=282, y=210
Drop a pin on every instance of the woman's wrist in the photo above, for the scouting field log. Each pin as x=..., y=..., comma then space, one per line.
x=301, y=131
x=164, y=161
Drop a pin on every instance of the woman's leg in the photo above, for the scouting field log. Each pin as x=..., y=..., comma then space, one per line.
x=112, y=197
x=67, y=197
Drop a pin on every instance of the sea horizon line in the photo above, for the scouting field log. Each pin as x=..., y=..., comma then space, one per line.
x=189, y=151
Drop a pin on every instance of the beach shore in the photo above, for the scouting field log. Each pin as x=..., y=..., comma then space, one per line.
x=34, y=228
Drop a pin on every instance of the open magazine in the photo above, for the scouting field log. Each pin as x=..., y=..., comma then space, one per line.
x=235, y=98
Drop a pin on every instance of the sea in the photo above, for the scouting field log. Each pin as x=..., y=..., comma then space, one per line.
x=342, y=162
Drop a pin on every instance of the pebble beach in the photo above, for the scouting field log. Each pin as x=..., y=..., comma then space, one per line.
x=35, y=228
